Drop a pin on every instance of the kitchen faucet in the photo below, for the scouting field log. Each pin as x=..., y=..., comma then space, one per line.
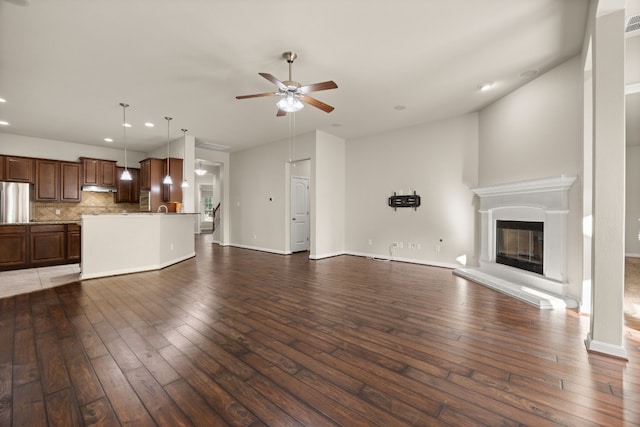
x=166, y=210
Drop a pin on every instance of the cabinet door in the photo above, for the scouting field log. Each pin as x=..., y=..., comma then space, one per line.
x=47, y=180
x=123, y=195
x=91, y=172
x=18, y=169
x=13, y=246
x=135, y=185
x=107, y=173
x=173, y=193
x=70, y=182
x=2, y=178
x=145, y=174
x=47, y=244
x=73, y=242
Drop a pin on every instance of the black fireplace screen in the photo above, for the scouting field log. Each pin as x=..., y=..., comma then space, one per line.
x=520, y=244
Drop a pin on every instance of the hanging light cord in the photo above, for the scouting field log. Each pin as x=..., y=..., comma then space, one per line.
x=168, y=157
x=124, y=131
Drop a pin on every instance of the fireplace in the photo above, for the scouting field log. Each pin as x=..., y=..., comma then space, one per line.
x=520, y=244
x=523, y=240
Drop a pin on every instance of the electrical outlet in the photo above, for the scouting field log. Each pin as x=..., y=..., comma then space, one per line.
x=370, y=242
x=400, y=245
x=57, y=211
x=437, y=248
x=418, y=246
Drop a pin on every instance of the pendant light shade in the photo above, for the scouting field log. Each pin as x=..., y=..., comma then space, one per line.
x=185, y=183
x=126, y=175
x=200, y=171
x=167, y=179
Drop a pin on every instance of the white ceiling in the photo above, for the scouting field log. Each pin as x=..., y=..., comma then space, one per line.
x=65, y=65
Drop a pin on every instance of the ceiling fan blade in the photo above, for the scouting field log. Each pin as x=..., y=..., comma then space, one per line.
x=274, y=80
x=256, y=95
x=318, y=104
x=281, y=113
x=317, y=86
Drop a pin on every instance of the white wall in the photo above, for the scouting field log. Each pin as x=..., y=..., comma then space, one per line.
x=437, y=160
x=260, y=194
x=27, y=146
x=536, y=132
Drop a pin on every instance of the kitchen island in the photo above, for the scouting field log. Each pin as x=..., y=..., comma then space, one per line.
x=128, y=243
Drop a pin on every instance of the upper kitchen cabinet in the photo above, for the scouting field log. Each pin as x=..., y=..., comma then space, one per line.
x=99, y=172
x=57, y=181
x=17, y=169
x=173, y=192
x=151, y=173
x=70, y=182
x=47, y=188
x=128, y=191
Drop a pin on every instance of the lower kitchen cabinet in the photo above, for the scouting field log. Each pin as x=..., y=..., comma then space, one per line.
x=47, y=244
x=73, y=242
x=38, y=245
x=13, y=246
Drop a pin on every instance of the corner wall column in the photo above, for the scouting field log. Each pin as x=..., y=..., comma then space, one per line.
x=607, y=319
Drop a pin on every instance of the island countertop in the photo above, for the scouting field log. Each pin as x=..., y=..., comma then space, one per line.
x=115, y=244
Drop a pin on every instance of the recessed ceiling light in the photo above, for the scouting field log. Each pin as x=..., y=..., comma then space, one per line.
x=528, y=73
x=3, y=100
x=108, y=139
x=3, y=123
x=400, y=107
x=487, y=86
x=149, y=124
x=127, y=125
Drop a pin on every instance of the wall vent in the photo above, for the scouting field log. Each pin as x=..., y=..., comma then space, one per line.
x=633, y=24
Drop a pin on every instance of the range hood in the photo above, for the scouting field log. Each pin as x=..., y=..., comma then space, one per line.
x=99, y=189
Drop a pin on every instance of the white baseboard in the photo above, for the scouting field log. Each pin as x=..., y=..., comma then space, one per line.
x=632, y=255
x=408, y=260
x=258, y=248
x=328, y=255
x=605, y=348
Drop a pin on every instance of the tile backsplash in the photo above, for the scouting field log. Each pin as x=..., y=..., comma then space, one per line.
x=91, y=204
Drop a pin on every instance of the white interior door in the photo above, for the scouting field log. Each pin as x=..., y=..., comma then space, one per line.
x=299, y=214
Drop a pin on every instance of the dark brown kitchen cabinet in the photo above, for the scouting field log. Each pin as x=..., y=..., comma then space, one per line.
x=13, y=247
x=18, y=169
x=173, y=192
x=1, y=168
x=47, y=188
x=70, y=182
x=128, y=191
x=57, y=181
x=47, y=244
x=99, y=172
x=73, y=242
x=151, y=174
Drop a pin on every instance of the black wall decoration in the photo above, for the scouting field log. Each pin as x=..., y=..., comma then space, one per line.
x=409, y=201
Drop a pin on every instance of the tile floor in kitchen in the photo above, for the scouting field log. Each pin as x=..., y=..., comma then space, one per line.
x=16, y=282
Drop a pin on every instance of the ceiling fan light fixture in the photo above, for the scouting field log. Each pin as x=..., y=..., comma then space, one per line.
x=290, y=103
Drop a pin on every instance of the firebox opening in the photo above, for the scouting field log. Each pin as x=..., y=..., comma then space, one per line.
x=520, y=244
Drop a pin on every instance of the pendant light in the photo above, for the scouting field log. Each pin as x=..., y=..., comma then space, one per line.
x=167, y=179
x=126, y=175
x=185, y=183
x=201, y=172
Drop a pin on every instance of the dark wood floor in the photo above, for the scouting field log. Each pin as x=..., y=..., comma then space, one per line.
x=238, y=337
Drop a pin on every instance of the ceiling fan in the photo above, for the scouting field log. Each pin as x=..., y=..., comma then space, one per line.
x=292, y=93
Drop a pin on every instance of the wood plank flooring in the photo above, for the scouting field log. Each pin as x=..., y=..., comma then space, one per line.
x=244, y=338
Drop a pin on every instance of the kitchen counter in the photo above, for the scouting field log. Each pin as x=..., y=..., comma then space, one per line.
x=127, y=243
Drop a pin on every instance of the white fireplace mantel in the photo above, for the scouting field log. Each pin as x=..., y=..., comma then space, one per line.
x=543, y=200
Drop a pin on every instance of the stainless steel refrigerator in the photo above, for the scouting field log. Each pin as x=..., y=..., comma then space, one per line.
x=14, y=202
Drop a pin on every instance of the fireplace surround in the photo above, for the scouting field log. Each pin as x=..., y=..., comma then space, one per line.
x=544, y=202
